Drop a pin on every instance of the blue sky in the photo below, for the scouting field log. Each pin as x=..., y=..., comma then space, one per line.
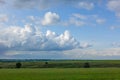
x=59, y=29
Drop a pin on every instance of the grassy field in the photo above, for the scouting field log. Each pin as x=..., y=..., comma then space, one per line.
x=61, y=74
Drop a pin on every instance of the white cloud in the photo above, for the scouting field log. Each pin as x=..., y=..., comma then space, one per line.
x=97, y=18
x=109, y=53
x=79, y=20
x=116, y=44
x=32, y=18
x=47, y=4
x=41, y=4
x=100, y=21
x=86, y=5
x=85, y=45
x=80, y=16
x=38, y=4
x=24, y=3
x=76, y=20
x=50, y=18
x=114, y=27
x=29, y=38
x=114, y=5
x=3, y=18
x=92, y=53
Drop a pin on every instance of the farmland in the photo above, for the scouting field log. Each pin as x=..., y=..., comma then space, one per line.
x=61, y=74
x=62, y=64
x=60, y=70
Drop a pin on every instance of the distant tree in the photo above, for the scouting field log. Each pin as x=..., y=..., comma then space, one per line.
x=86, y=65
x=18, y=65
x=46, y=63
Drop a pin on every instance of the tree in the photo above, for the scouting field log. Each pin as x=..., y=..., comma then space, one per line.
x=86, y=65
x=18, y=65
x=46, y=63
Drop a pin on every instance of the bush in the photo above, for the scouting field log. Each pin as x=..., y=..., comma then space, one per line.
x=46, y=63
x=18, y=65
x=86, y=65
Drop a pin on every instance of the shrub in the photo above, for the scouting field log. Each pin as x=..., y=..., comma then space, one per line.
x=18, y=65
x=86, y=65
x=46, y=63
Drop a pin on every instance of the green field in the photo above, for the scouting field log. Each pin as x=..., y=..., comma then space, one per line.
x=64, y=64
x=61, y=74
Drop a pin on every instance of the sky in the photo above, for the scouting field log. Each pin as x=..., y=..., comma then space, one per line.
x=59, y=29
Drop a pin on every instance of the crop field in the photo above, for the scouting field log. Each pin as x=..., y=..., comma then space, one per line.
x=60, y=74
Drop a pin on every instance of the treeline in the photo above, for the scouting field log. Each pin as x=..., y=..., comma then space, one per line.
x=62, y=64
x=46, y=65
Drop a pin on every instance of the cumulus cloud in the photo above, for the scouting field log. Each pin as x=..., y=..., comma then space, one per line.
x=113, y=5
x=50, y=18
x=28, y=38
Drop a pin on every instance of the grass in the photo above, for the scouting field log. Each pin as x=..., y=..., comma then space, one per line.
x=61, y=74
x=63, y=64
